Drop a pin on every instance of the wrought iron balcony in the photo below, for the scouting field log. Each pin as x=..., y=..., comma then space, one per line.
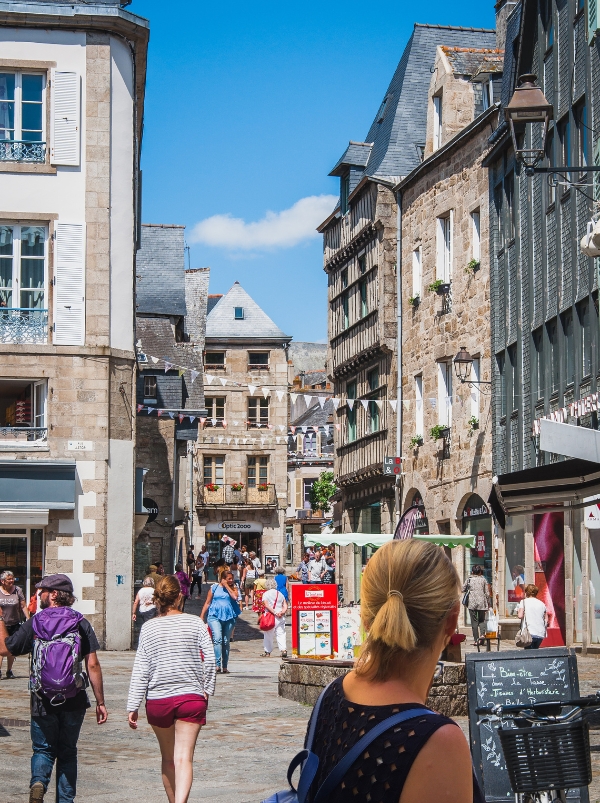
x=20, y=151
x=20, y=437
x=20, y=325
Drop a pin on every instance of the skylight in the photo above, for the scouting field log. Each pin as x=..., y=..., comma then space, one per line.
x=238, y=313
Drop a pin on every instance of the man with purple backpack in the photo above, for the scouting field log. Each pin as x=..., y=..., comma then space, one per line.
x=60, y=640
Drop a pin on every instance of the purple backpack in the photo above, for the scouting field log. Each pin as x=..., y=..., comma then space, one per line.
x=56, y=670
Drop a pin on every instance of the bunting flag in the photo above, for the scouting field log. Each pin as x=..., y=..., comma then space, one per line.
x=252, y=388
x=220, y=439
x=406, y=404
x=154, y=360
x=262, y=441
x=293, y=430
x=181, y=417
x=228, y=441
x=266, y=392
x=419, y=404
x=269, y=426
x=350, y=403
x=336, y=403
x=235, y=440
x=308, y=400
x=293, y=397
x=224, y=422
x=140, y=407
x=159, y=413
x=281, y=427
x=304, y=429
x=394, y=404
x=236, y=423
x=168, y=366
x=181, y=371
x=195, y=375
x=171, y=415
x=338, y=426
x=149, y=410
x=192, y=419
x=365, y=403
x=202, y=420
x=379, y=403
x=223, y=381
x=280, y=394
x=433, y=403
x=213, y=421
x=322, y=401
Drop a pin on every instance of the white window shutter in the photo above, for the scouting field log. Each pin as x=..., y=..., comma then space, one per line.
x=65, y=118
x=69, y=284
x=450, y=244
x=440, y=249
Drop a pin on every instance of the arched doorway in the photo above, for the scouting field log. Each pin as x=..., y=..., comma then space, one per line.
x=477, y=521
x=421, y=526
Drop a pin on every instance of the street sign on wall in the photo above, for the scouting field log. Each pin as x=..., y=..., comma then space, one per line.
x=392, y=465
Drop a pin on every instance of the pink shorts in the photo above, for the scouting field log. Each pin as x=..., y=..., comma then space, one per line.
x=188, y=707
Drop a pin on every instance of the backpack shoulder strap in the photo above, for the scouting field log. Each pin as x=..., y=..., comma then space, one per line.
x=338, y=772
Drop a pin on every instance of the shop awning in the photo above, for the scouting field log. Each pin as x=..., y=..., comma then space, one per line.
x=548, y=487
x=345, y=539
x=447, y=540
x=37, y=484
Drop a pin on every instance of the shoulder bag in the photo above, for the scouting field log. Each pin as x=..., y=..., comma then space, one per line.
x=309, y=761
x=465, y=597
x=267, y=620
x=523, y=636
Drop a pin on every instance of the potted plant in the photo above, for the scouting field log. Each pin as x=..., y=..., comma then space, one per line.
x=473, y=423
x=439, y=431
x=211, y=487
x=440, y=287
x=237, y=486
x=263, y=487
x=473, y=266
x=416, y=441
x=415, y=300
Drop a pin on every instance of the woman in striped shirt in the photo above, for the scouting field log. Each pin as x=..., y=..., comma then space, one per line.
x=175, y=669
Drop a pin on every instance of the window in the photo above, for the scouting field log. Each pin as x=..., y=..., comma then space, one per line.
x=373, y=412
x=214, y=360
x=476, y=234
x=258, y=359
x=351, y=413
x=567, y=323
x=216, y=410
x=538, y=365
x=551, y=163
x=362, y=264
x=238, y=313
x=445, y=393
x=382, y=109
x=586, y=337
x=514, y=382
x=23, y=267
x=308, y=484
x=500, y=362
x=444, y=248
x=564, y=133
x=345, y=313
x=373, y=379
x=258, y=412
x=344, y=193
x=419, y=427
x=554, y=356
x=344, y=278
x=150, y=389
x=582, y=134
x=475, y=391
x=258, y=471
x=487, y=94
x=22, y=412
x=509, y=194
x=364, y=307
x=214, y=470
x=437, y=122
x=548, y=23
x=22, y=116
x=499, y=208
x=417, y=272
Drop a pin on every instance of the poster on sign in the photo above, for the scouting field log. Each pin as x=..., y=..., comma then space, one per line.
x=480, y=543
x=350, y=633
x=314, y=620
x=591, y=513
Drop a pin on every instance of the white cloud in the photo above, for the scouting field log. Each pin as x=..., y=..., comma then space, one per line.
x=276, y=229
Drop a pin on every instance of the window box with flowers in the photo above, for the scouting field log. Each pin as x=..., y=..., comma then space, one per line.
x=211, y=487
x=262, y=488
x=237, y=486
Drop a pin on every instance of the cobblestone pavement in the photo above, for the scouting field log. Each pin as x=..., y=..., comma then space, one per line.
x=242, y=754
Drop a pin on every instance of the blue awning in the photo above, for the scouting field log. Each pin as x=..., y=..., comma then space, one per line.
x=37, y=484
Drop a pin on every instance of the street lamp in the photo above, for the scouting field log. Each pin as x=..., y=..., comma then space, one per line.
x=527, y=106
x=463, y=363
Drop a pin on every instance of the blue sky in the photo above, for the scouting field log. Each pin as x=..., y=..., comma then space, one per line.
x=248, y=107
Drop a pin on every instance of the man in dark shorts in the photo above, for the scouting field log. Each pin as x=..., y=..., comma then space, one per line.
x=55, y=727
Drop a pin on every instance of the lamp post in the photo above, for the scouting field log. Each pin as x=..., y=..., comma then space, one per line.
x=463, y=363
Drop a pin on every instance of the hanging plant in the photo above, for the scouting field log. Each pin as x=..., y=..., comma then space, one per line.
x=473, y=423
x=439, y=431
x=440, y=287
x=415, y=300
x=416, y=441
x=473, y=266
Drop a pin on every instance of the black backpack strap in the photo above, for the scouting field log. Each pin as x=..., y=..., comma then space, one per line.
x=338, y=772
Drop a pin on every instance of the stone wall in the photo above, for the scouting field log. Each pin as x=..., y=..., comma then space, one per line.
x=303, y=682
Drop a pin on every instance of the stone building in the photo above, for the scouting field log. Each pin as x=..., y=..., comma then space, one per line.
x=360, y=258
x=72, y=87
x=445, y=237
x=242, y=446
x=170, y=324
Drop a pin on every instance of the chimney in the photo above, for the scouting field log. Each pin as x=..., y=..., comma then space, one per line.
x=504, y=9
x=196, y=287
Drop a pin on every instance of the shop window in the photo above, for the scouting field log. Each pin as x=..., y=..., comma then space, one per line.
x=421, y=525
x=23, y=412
x=477, y=522
x=514, y=570
x=258, y=471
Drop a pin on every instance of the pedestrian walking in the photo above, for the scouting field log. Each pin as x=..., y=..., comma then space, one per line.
x=59, y=639
x=477, y=600
x=191, y=562
x=184, y=582
x=222, y=610
x=228, y=553
x=274, y=602
x=260, y=586
x=144, y=608
x=316, y=568
x=205, y=555
x=249, y=575
x=175, y=670
x=153, y=573
x=160, y=569
x=13, y=608
x=302, y=570
x=281, y=582
x=535, y=615
x=255, y=560
x=410, y=607
x=329, y=574
x=244, y=551
x=197, y=577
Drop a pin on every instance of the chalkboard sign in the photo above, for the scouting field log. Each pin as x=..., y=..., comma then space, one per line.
x=514, y=677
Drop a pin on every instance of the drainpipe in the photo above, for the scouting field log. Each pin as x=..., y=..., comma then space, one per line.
x=399, y=408
x=191, y=461
x=173, y=492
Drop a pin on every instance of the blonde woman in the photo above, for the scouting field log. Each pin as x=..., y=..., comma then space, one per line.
x=175, y=670
x=409, y=608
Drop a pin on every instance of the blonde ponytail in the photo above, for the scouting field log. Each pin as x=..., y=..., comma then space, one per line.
x=408, y=589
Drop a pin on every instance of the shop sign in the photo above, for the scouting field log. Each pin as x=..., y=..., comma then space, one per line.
x=473, y=512
x=152, y=508
x=314, y=620
x=392, y=465
x=591, y=514
x=234, y=526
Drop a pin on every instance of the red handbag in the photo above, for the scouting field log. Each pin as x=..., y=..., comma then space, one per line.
x=267, y=620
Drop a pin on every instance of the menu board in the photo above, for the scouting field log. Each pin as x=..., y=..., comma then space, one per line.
x=514, y=677
x=314, y=620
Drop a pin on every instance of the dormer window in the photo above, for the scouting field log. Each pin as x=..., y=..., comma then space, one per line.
x=437, y=122
x=344, y=193
x=487, y=94
x=238, y=313
x=382, y=110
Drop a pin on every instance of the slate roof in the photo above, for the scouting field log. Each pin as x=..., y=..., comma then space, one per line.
x=400, y=125
x=315, y=416
x=356, y=155
x=160, y=270
x=474, y=61
x=255, y=324
x=513, y=26
x=307, y=356
x=212, y=301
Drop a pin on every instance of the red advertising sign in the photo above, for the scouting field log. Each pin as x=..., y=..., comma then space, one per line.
x=480, y=544
x=314, y=620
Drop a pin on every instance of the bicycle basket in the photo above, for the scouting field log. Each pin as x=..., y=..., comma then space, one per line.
x=544, y=757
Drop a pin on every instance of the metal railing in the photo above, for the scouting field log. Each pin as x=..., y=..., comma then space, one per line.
x=16, y=437
x=12, y=150
x=20, y=325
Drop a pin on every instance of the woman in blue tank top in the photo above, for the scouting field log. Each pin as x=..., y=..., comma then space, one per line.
x=282, y=582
